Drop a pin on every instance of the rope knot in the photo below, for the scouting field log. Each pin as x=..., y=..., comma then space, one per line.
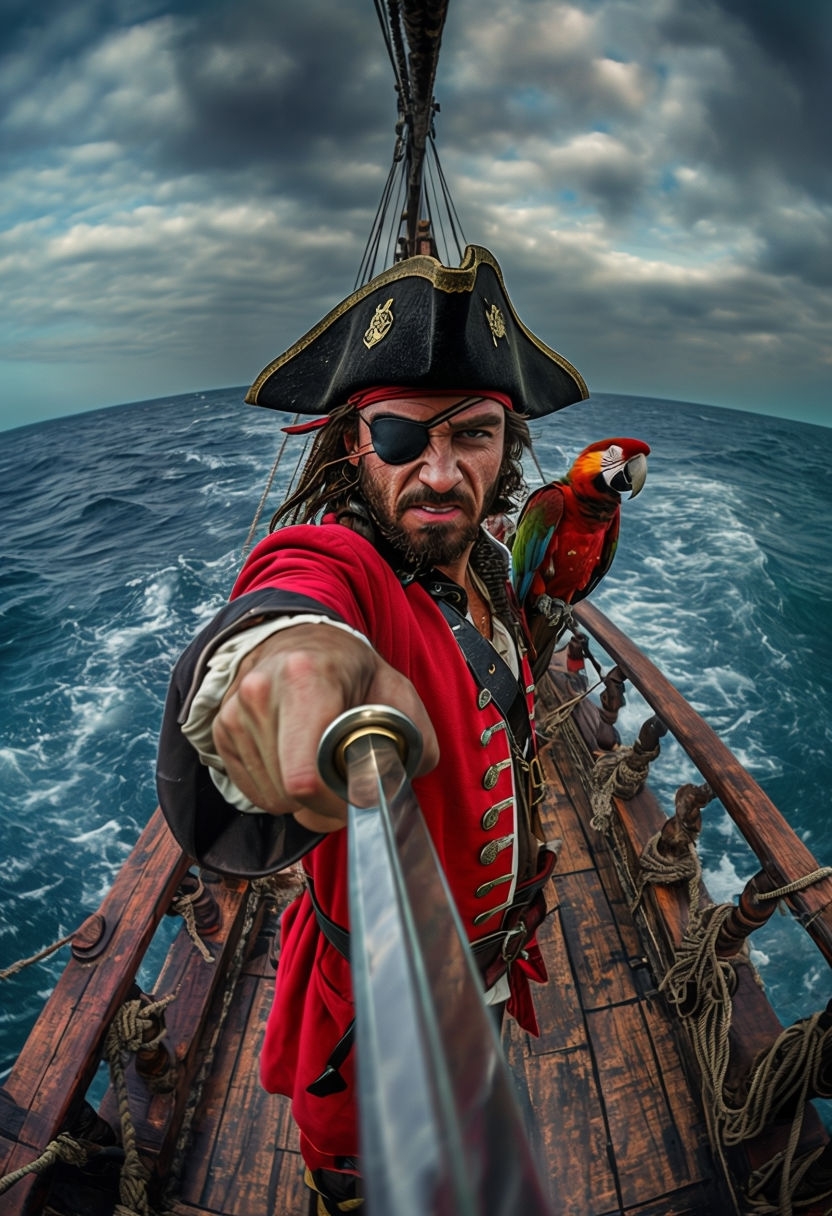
x=134, y=1026
x=183, y=904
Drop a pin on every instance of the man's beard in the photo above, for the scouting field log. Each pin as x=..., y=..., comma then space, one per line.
x=435, y=544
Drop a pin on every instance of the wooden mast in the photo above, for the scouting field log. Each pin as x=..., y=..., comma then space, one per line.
x=423, y=24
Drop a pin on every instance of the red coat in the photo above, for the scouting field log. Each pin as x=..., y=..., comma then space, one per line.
x=313, y=1002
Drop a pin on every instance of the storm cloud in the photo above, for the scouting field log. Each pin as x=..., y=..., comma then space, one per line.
x=187, y=187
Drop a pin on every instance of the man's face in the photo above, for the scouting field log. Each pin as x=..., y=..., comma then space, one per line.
x=431, y=508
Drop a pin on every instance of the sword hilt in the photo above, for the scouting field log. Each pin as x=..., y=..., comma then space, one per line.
x=381, y=721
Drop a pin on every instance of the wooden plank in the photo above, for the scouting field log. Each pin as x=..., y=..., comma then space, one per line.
x=570, y=1133
x=600, y=961
x=699, y=1200
x=61, y=1054
x=560, y=819
x=557, y=1003
x=654, y=1153
x=288, y=1196
x=607, y=869
x=233, y=1167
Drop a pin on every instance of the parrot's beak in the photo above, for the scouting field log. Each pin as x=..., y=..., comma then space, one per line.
x=637, y=473
x=631, y=475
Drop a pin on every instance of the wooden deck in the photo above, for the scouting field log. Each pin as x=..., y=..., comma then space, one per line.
x=616, y=1124
x=606, y=1087
x=618, y=1127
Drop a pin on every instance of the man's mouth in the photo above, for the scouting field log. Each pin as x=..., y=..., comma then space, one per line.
x=433, y=508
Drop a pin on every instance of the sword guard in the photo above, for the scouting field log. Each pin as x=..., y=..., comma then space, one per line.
x=354, y=724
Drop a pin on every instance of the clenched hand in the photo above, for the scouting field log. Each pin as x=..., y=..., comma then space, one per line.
x=286, y=693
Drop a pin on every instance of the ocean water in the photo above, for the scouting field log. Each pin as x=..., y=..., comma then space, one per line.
x=122, y=532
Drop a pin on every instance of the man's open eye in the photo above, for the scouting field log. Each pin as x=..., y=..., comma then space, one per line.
x=475, y=432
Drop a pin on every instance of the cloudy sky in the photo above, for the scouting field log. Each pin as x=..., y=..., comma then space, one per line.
x=187, y=187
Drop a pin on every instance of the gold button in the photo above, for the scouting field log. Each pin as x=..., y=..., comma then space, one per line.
x=490, y=731
x=492, y=774
x=489, y=886
x=489, y=852
x=490, y=817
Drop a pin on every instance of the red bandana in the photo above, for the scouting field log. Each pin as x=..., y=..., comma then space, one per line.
x=368, y=396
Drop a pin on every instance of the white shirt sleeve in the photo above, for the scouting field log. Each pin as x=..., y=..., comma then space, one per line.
x=219, y=676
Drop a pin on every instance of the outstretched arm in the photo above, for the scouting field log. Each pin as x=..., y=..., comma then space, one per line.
x=286, y=692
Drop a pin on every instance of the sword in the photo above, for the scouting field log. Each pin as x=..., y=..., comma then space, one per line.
x=441, y=1132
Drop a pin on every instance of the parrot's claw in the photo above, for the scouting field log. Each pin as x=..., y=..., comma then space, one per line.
x=557, y=613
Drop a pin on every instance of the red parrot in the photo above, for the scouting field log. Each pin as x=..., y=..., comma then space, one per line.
x=567, y=532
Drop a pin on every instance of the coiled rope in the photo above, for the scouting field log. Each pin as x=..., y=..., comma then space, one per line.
x=700, y=985
x=654, y=869
x=128, y=1032
x=615, y=775
x=125, y=1035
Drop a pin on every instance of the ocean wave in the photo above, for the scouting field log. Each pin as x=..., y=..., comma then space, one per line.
x=124, y=531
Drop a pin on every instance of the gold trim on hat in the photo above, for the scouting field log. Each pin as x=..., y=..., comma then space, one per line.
x=443, y=278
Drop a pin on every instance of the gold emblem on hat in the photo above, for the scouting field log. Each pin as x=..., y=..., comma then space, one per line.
x=496, y=323
x=380, y=325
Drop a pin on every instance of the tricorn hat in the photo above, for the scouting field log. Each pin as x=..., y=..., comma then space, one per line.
x=424, y=325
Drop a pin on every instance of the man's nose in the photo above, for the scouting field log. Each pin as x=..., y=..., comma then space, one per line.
x=439, y=468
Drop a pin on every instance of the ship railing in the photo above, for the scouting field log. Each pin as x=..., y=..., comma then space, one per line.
x=758, y=1081
x=45, y=1094
x=784, y=858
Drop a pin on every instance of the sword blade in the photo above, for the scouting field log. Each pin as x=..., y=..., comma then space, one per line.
x=441, y=1130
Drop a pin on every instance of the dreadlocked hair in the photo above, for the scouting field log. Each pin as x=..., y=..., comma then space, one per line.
x=329, y=477
x=511, y=485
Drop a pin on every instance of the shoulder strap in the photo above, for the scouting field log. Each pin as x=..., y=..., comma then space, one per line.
x=491, y=672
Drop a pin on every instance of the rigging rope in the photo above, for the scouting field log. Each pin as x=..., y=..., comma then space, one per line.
x=564, y=709
x=63, y=1148
x=261, y=504
x=8, y=972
